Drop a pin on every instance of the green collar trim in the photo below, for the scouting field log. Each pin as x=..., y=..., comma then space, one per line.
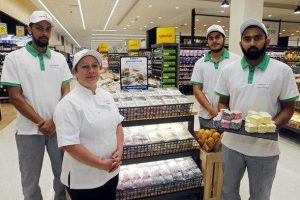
x=225, y=55
x=35, y=53
x=40, y=55
x=262, y=65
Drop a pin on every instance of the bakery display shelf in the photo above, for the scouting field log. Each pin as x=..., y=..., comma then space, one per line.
x=193, y=153
x=157, y=192
x=156, y=111
x=207, y=124
x=185, y=70
x=161, y=148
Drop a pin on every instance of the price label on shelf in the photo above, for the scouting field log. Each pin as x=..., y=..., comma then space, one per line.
x=3, y=29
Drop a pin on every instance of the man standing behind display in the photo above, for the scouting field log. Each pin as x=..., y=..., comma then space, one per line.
x=206, y=72
x=259, y=83
x=37, y=78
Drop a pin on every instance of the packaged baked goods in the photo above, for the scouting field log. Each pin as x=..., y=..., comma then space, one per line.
x=141, y=101
x=167, y=99
x=181, y=99
x=156, y=100
x=236, y=124
x=127, y=102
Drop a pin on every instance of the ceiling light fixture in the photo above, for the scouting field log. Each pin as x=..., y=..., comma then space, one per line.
x=111, y=13
x=124, y=28
x=151, y=22
x=297, y=10
x=81, y=14
x=204, y=25
x=219, y=21
x=45, y=7
x=226, y=30
x=159, y=17
x=150, y=6
x=283, y=30
x=269, y=15
x=103, y=30
x=116, y=34
x=138, y=16
x=177, y=7
x=225, y=4
x=292, y=34
x=222, y=11
x=197, y=20
x=297, y=31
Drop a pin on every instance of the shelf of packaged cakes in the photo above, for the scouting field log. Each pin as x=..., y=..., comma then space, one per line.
x=159, y=178
x=156, y=142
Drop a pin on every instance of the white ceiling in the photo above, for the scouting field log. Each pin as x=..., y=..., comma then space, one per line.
x=162, y=13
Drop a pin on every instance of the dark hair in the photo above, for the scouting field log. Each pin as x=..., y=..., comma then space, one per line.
x=254, y=26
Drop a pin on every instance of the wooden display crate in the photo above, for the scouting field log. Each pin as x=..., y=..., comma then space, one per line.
x=211, y=167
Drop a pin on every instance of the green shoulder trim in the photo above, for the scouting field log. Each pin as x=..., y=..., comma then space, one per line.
x=67, y=81
x=10, y=84
x=196, y=83
x=221, y=95
x=290, y=99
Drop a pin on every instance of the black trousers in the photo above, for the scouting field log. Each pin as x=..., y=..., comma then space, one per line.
x=104, y=192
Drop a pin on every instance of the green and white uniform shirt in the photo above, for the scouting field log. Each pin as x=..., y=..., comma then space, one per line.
x=40, y=75
x=259, y=88
x=206, y=73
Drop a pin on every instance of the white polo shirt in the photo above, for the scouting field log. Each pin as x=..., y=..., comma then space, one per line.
x=41, y=77
x=260, y=89
x=91, y=120
x=206, y=73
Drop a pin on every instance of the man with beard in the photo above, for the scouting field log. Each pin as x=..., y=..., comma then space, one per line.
x=259, y=83
x=37, y=78
x=206, y=72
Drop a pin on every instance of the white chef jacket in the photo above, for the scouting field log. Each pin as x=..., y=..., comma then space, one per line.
x=91, y=120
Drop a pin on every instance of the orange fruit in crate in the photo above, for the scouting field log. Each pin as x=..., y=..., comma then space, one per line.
x=216, y=135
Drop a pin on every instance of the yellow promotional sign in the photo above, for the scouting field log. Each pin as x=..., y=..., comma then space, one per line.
x=165, y=35
x=19, y=30
x=133, y=44
x=3, y=29
x=103, y=47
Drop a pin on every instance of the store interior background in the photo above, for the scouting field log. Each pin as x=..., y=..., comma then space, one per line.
x=87, y=23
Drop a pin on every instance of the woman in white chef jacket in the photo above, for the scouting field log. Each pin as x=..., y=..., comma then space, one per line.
x=89, y=129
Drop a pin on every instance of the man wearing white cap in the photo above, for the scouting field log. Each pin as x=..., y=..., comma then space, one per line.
x=259, y=83
x=37, y=78
x=206, y=72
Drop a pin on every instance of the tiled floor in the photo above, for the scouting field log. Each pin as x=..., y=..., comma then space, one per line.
x=286, y=185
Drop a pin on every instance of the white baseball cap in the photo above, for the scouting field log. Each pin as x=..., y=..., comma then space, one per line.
x=253, y=22
x=86, y=52
x=215, y=28
x=40, y=15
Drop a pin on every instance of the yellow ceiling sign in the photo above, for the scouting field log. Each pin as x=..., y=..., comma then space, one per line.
x=133, y=44
x=3, y=29
x=20, y=30
x=103, y=47
x=165, y=35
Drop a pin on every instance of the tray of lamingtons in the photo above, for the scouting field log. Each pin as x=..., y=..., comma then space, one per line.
x=256, y=124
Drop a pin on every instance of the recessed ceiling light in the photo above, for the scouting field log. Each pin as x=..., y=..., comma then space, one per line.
x=176, y=27
x=177, y=7
x=222, y=11
x=124, y=28
x=223, y=26
x=151, y=22
x=185, y=24
x=138, y=16
x=280, y=33
x=127, y=25
x=197, y=20
x=283, y=30
x=145, y=26
x=269, y=15
x=297, y=31
x=219, y=21
x=150, y=6
x=292, y=34
x=132, y=21
x=159, y=17
x=204, y=25
x=226, y=30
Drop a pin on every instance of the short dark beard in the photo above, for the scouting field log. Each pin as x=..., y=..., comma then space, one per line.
x=217, y=50
x=254, y=53
x=39, y=43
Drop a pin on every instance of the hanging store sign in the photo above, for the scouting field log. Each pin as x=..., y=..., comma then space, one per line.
x=134, y=73
x=3, y=29
x=103, y=47
x=273, y=30
x=20, y=31
x=133, y=44
x=165, y=35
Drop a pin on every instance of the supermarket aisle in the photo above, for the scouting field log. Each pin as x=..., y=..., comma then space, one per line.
x=286, y=185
